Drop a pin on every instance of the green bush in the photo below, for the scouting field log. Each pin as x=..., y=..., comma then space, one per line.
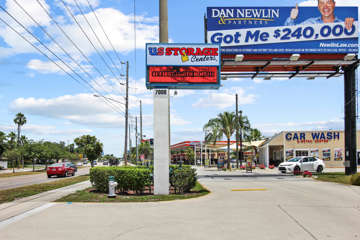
x=182, y=178
x=128, y=178
x=355, y=179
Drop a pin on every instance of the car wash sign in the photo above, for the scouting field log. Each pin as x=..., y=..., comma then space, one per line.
x=182, y=66
x=323, y=29
x=312, y=137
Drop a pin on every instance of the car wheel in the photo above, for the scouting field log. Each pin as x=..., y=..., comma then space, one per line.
x=49, y=176
x=319, y=169
x=296, y=170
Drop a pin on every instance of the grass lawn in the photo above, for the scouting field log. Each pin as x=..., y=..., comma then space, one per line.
x=334, y=177
x=9, y=195
x=89, y=195
x=5, y=175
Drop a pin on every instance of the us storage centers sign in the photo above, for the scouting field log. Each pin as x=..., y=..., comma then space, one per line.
x=322, y=29
x=182, y=66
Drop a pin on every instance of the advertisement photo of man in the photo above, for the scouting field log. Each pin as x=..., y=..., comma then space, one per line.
x=327, y=11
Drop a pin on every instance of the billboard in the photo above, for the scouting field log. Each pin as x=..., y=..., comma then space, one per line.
x=182, y=66
x=272, y=30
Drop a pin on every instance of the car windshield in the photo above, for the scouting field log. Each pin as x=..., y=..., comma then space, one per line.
x=56, y=165
x=294, y=160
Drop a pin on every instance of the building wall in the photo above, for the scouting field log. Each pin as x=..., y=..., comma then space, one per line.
x=327, y=145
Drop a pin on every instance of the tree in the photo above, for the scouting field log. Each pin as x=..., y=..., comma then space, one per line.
x=217, y=128
x=244, y=127
x=2, y=143
x=146, y=149
x=190, y=155
x=12, y=155
x=254, y=135
x=89, y=146
x=19, y=120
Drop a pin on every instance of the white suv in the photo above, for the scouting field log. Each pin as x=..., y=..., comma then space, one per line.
x=301, y=164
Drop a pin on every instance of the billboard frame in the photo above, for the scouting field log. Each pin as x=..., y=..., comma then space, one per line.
x=183, y=85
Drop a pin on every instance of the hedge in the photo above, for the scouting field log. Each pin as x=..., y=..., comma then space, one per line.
x=355, y=179
x=128, y=178
x=182, y=179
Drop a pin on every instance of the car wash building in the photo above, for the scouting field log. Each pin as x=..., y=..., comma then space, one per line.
x=326, y=145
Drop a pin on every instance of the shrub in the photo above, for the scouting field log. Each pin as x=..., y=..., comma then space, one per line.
x=242, y=167
x=355, y=179
x=271, y=166
x=128, y=178
x=262, y=166
x=182, y=178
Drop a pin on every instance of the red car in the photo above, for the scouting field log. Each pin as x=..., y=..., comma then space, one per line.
x=60, y=169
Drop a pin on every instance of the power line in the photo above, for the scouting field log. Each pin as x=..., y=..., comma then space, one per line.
x=69, y=39
x=37, y=39
x=87, y=37
x=97, y=38
x=57, y=44
x=107, y=37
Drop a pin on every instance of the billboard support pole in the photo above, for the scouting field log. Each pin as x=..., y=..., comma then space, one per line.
x=350, y=119
x=162, y=119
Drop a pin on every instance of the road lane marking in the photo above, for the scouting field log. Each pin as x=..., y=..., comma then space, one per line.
x=248, y=189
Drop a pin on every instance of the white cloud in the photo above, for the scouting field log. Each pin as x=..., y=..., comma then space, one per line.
x=118, y=26
x=81, y=109
x=269, y=129
x=53, y=67
x=225, y=99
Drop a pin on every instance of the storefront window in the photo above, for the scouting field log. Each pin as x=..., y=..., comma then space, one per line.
x=300, y=153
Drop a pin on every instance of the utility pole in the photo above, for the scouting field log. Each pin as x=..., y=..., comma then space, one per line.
x=136, y=141
x=241, y=153
x=130, y=145
x=141, y=134
x=126, y=112
x=237, y=132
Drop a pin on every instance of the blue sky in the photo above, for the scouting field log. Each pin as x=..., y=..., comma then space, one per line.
x=59, y=109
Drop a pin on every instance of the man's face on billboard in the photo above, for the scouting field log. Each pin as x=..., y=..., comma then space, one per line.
x=326, y=7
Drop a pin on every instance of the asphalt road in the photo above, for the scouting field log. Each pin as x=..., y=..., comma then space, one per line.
x=20, y=181
x=258, y=208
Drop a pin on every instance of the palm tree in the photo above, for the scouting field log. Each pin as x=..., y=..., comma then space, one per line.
x=216, y=128
x=254, y=135
x=19, y=120
x=244, y=127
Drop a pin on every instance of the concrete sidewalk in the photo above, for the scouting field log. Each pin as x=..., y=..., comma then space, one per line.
x=22, y=206
x=294, y=208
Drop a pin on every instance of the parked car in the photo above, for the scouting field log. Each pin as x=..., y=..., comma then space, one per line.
x=301, y=164
x=95, y=162
x=60, y=169
x=105, y=163
x=79, y=164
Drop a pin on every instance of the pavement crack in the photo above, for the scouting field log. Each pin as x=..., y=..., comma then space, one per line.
x=297, y=222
